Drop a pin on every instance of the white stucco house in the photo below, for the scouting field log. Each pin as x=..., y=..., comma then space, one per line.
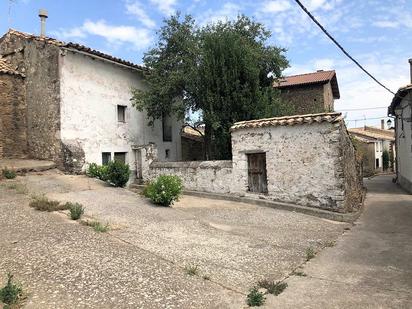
x=78, y=105
x=401, y=109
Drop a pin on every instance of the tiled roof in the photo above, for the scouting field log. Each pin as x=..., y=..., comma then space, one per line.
x=190, y=133
x=400, y=94
x=75, y=46
x=7, y=69
x=289, y=120
x=319, y=77
x=375, y=133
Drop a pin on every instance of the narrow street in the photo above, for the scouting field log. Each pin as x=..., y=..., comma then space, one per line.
x=371, y=265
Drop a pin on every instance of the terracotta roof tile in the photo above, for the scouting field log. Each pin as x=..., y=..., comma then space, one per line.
x=319, y=77
x=75, y=46
x=7, y=69
x=375, y=133
x=288, y=120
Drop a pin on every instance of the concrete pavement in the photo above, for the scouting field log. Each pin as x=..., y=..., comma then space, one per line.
x=371, y=265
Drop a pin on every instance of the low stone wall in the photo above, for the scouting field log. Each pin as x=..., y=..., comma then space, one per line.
x=206, y=176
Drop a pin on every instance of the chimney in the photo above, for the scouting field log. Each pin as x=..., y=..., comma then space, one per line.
x=43, y=15
x=383, y=124
x=410, y=68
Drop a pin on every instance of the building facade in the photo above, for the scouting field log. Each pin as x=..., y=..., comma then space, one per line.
x=309, y=93
x=78, y=107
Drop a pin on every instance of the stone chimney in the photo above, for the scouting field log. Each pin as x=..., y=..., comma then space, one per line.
x=43, y=16
x=410, y=68
x=383, y=124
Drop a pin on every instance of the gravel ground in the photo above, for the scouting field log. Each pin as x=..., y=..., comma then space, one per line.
x=140, y=262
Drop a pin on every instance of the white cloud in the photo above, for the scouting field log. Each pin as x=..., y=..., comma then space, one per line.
x=386, y=24
x=138, y=38
x=275, y=6
x=167, y=7
x=228, y=11
x=136, y=9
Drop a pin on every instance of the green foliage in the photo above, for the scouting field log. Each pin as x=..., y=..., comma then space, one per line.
x=42, y=203
x=192, y=270
x=97, y=171
x=298, y=273
x=255, y=298
x=164, y=190
x=97, y=226
x=273, y=287
x=385, y=159
x=118, y=173
x=115, y=172
x=225, y=71
x=11, y=292
x=310, y=253
x=9, y=174
x=76, y=210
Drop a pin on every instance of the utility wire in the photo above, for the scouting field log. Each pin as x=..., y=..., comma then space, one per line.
x=340, y=46
x=375, y=118
x=360, y=109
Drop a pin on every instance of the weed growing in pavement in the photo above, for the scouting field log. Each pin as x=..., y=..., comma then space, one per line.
x=255, y=298
x=329, y=243
x=42, y=203
x=206, y=277
x=8, y=174
x=191, y=270
x=298, y=273
x=18, y=187
x=97, y=226
x=310, y=253
x=11, y=292
x=272, y=287
x=76, y=210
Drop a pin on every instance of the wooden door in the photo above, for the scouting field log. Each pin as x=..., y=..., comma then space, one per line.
x=257, y=178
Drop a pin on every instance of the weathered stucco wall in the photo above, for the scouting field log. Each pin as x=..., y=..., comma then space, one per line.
x=39, y=62
x=207, y=176
x=404, y=144
x=91, y=89
x=13, y=123
x=308, y=99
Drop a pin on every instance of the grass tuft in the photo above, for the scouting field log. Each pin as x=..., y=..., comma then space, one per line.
x=18, y=187
x=76, y=210
x=42, y=203
x=255, y=298
x=97, y=226
x=8, y=173
x=11, y=292
x=298, y=273
x=310, y=253
x=273, y=287
x=192, y=270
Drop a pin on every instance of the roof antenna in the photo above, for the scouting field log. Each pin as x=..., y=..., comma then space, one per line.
x=43, y=16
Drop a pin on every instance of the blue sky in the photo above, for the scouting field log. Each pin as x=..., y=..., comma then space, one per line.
x=376, y=32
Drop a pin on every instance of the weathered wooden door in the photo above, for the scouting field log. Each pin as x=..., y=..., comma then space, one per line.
x=257, y=178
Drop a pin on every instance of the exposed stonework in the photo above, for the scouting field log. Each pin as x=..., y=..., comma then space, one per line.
x=13, y=123
x=73, y=157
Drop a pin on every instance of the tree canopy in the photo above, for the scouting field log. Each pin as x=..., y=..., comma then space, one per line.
x=225, y=71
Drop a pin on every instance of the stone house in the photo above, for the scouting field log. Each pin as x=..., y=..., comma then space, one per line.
x=371, y=143
x=77, y=105
x=401, y=109
x=303, y=159
x=309, y=93
x=192, y=144
x=13, y=133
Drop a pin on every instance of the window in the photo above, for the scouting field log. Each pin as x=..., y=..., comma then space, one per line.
x=377, y=163
x=167, y=128
x=167, y=153
x=121, y=113
x=120, y=157
x=106, y=157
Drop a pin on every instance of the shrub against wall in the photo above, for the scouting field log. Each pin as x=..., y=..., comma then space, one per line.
x=164, y=190
x=115, y=172
x=385, y=159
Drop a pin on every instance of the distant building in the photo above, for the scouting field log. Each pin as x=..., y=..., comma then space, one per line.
x=401, y=109
x=309, y=93
x=371, y=142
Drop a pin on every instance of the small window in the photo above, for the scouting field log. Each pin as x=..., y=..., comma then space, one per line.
x=106, y=157
x=121, y=113
x=167, y=153
x=377, y=163
x=120, y=157
x=167, y=128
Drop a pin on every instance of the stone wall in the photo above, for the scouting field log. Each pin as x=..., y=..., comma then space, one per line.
x=308, y=99
x=206, y=176
x=13, y=124
x=40, y=63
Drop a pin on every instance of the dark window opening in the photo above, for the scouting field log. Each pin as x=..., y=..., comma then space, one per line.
x=167, y=128
x=257, y=177
x=377, y=163
x=121, y=113
x=106, y=157
x=120, y=157
x=167, y=153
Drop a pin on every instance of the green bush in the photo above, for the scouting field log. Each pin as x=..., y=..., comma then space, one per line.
x=76, y=210
x=97, y=171
x=164, y=190
x=118, y=173
x=255, y=298
x=385, y=159
x=42, y=203
x=273, y=287
x=9, y=174
x=11, y=292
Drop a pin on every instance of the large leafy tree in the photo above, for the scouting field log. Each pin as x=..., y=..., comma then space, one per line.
x=225, y=71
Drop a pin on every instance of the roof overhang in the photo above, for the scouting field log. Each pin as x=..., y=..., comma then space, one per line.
x=399, y=96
